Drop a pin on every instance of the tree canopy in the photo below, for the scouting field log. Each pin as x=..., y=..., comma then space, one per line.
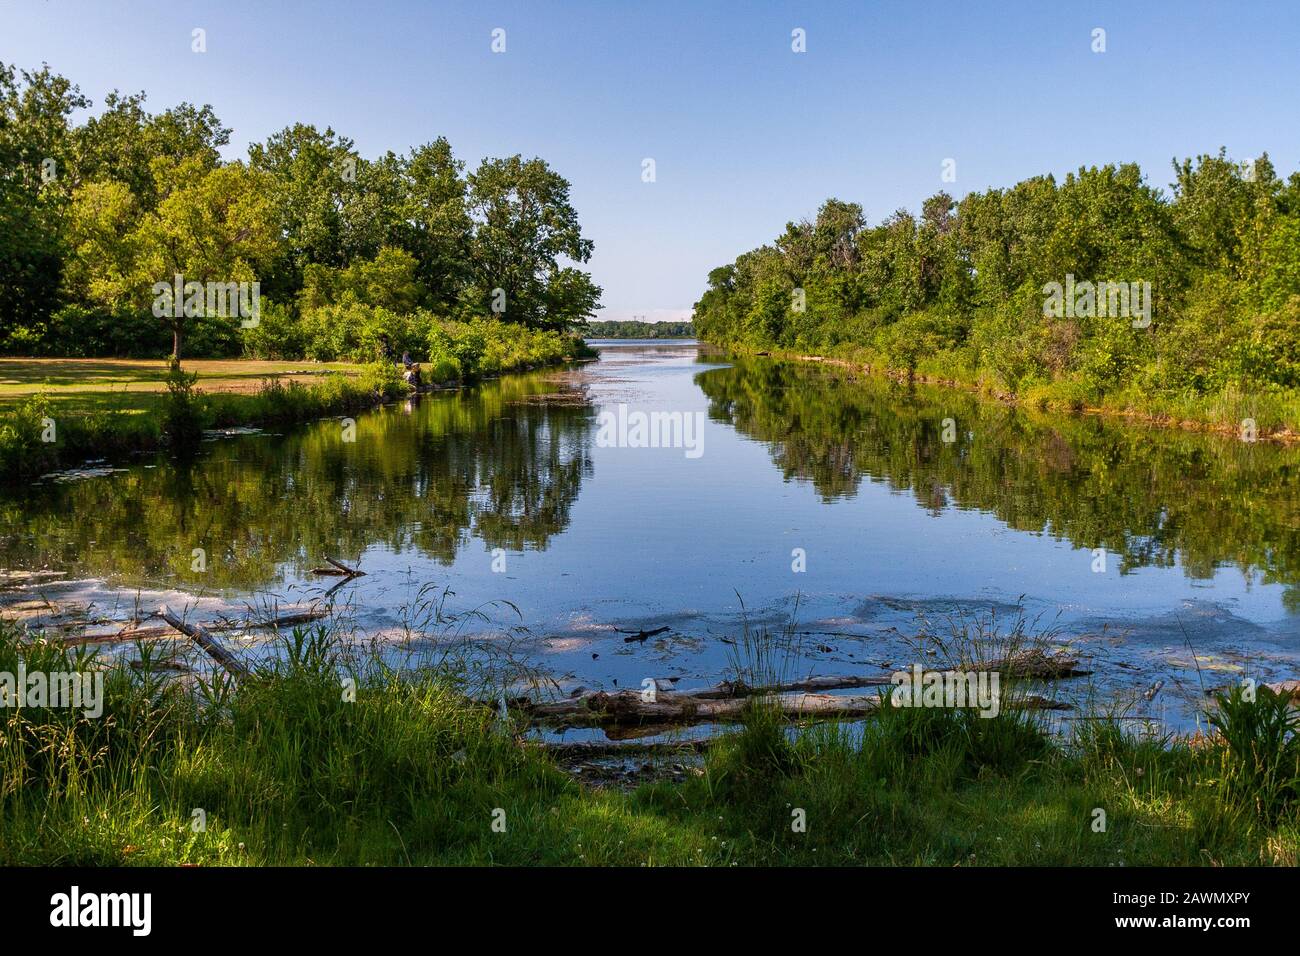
x=959, y=292
x=94, y=214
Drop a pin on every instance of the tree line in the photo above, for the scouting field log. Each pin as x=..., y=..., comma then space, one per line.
x=635, y=329
x=1008, y=287
x=350, y=257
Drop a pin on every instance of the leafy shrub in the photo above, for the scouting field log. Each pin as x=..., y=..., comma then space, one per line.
x=184, y=411
x=1262, y=763
x=277, y=335
x=22, y=452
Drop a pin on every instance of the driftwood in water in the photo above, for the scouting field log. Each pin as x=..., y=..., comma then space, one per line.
x=168, y=665
x=1033, y=663
x=17, y=578
x=728, y=689
x=1029, y=664
x=128, y=633
x=288, y=619
x=338, y=568
x=134, y=632
x=631, y=707
x=666, y=708
x=201, y=637
x=642, y=635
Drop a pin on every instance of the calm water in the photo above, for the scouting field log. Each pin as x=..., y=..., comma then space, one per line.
x=507, y=492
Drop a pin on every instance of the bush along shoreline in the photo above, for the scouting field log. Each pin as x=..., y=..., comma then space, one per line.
x=36, y=439
x=322, y=756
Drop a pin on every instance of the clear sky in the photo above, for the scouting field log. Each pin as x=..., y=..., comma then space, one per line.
x=745, y=133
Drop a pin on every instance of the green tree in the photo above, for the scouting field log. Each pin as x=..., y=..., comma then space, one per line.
x=318, y=201
x=35, y=149
x=213, y=226
x=523, y=225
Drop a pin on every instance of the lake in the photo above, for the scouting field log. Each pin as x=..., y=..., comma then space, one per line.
x=847, y=513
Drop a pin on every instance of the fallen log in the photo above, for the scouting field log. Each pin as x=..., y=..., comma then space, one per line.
x=137, y=633
x=727, y=690
x=126, y=634
x=341, y=568
x=201, y=637
x=642, y=635
x=627, y=706
x=281, y=620
x=632, y=707
x=16, y=578
x=1033, y=663
x=741, y=689
x=177, y=666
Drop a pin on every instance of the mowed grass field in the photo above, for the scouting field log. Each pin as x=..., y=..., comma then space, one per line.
x=84, y=385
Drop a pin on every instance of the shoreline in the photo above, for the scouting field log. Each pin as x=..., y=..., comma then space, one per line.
x=115, y=434
x=414, y=769
x=1281, y=435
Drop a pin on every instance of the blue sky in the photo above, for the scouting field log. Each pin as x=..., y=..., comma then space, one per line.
x=746, y=134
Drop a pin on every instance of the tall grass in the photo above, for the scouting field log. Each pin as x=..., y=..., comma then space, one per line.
x=330, y=754
x=1261, y=757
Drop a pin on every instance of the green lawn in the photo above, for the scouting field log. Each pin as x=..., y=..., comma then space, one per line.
x=86, y=385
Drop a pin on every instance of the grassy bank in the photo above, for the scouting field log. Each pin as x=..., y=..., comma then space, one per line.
x=36, y=436
x=101, y=409
x=1274, y=415
x=287, y=770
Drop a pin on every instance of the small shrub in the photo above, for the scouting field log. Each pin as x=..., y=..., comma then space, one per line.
x=184, y=411
x=1262, y=758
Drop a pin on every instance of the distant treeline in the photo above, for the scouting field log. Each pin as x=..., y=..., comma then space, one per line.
x=640, y=330
x=303, y=249
x=1099, y=288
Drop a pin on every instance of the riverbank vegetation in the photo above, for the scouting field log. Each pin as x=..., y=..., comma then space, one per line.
x=40, y=433
x=128, y=234
x=36, y=438
x=1199, y=317
x=305, y=249
x=287, y=768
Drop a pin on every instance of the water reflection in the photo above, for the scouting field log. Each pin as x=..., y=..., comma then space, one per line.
x=1152, y=497
x=503, y=462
